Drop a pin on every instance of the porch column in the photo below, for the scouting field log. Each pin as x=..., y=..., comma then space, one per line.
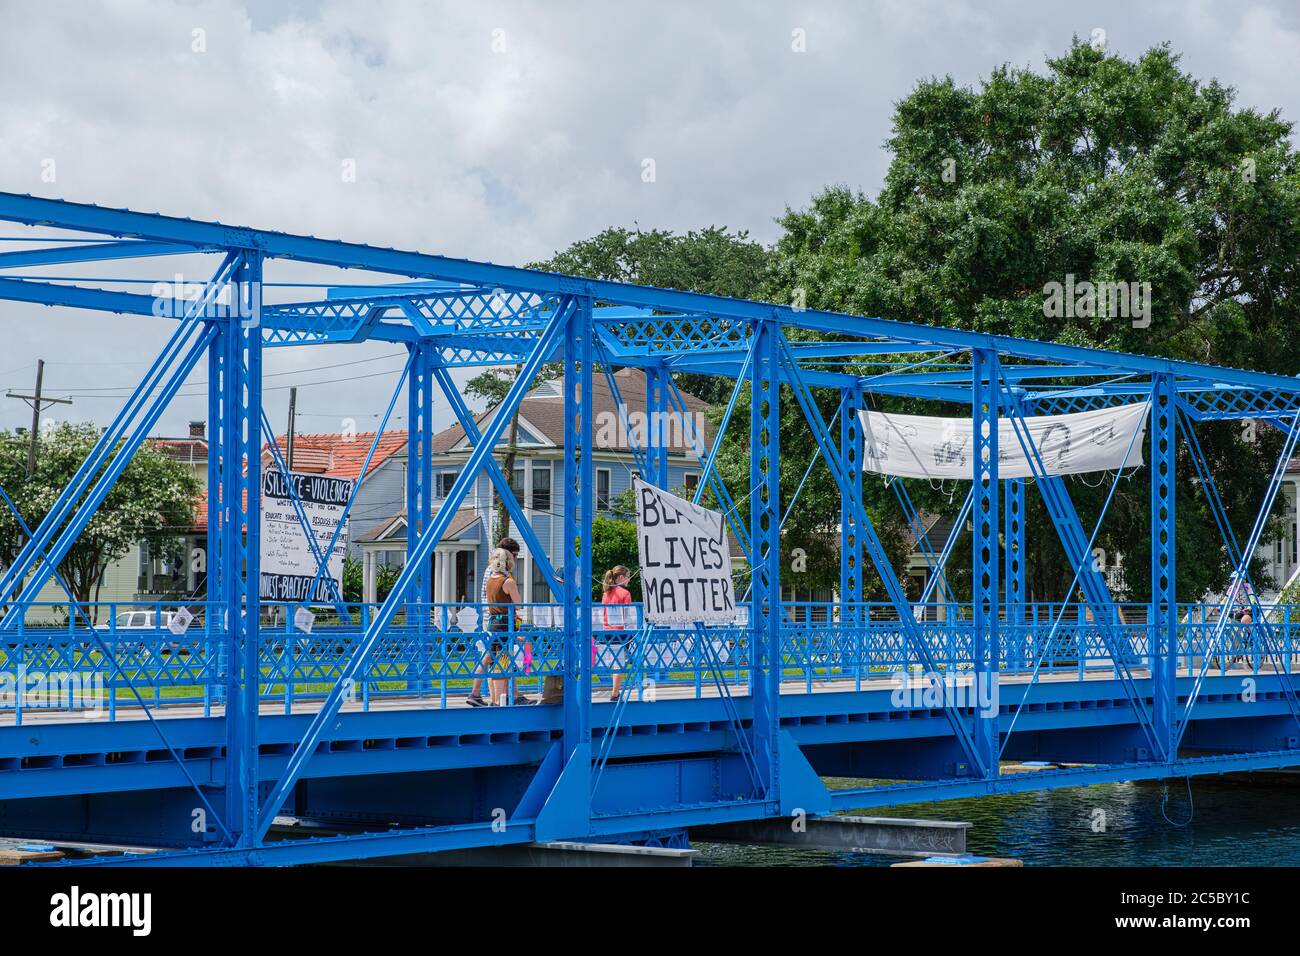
x=368, y=576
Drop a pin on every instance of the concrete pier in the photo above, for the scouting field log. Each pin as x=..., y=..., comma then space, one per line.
x=892, y=836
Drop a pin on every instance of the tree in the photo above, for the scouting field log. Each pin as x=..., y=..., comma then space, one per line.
x=714, y=261
x=1102, y=169
x=613, y=542
x=354, y=580
x=153, y=500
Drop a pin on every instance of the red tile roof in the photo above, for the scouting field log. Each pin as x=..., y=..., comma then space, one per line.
x=182, y=449
x=336, y=456
x=329, y=454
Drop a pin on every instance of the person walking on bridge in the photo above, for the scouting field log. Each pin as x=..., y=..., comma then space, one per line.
x=615, y=594
x=475, y=698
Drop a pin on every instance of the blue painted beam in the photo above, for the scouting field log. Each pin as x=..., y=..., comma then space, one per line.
x=97, y=252
x=33, y=210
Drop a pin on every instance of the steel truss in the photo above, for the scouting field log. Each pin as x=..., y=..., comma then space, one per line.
x=453, y=313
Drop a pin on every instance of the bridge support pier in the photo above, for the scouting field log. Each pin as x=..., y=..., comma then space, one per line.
x=891, y=836
x=556, y=853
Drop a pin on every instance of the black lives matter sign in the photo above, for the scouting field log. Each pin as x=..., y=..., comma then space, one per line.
x=685, y=560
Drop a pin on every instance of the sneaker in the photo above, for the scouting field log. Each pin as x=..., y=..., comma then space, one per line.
x=476, y=700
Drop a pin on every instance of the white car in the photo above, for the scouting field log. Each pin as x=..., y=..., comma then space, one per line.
x=143, y=620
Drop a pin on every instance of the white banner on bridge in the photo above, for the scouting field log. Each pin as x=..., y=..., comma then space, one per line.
x=288, y=564
x=921, y=446
x=685, y=560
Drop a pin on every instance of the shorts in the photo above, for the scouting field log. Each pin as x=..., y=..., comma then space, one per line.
x=497, y=647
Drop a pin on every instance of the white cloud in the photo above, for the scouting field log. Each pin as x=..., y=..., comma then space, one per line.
x=508, y=155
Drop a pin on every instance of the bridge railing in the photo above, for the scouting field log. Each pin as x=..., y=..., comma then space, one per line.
x=432, y=653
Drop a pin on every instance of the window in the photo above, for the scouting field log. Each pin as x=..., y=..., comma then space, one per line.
x=443, y=483
x=541, y=591
x=691, y=481
x=517, y=486
x=541, y=487
x=602, y=489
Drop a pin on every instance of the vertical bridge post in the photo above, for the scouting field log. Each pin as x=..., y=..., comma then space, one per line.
x=657, y=432
x=577, y=582
x=765, y=542
x=984, y=576
x=1163, y=616
x=1013, y=535
x=851, y=553
x=419, y=494
x=240, y=502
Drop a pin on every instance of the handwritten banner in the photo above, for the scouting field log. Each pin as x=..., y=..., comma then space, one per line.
x=685, y=560
x=288, y=563
x=921, y=446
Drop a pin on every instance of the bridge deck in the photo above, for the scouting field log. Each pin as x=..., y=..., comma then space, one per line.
x=665, y=692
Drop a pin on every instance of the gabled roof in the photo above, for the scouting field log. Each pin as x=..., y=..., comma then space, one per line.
x=389, y=528
x=542, y=413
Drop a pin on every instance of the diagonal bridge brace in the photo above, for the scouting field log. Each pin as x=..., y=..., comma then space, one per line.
x=490, y=465
x=875, y=549
x=414, y=563
x=1077, y=545
x=88, y=481
x=1241, y=563
x=76, y=608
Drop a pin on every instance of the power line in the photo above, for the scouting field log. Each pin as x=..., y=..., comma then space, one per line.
x=100, y=389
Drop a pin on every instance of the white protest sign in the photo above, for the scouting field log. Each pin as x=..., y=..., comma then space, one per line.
x=288, y=563
x=922, y=446
x=685, y=559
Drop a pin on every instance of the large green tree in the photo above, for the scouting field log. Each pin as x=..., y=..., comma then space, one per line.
x=1100, y=168
x=153, y=500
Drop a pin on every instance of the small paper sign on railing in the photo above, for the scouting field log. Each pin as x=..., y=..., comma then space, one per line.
x=303, y=619
x=180, y=622
x=467, y=619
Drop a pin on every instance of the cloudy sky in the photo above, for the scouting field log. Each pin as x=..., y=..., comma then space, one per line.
x=499, y=131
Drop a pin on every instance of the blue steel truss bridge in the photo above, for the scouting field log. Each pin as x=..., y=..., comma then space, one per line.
x=200, y=745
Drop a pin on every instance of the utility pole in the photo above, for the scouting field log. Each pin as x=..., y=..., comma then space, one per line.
x=38, y=405
x=288, y=451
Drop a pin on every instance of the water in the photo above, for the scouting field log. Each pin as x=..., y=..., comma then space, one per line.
x=1248, y=823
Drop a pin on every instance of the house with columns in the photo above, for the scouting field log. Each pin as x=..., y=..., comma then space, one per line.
x=461, y=556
